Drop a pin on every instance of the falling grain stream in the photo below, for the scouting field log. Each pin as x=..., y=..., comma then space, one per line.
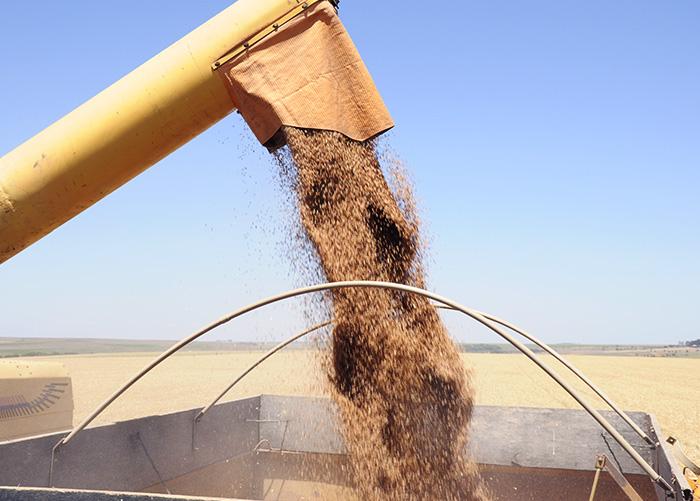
x=403, y=394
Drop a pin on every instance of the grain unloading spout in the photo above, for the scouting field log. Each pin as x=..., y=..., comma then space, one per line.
x=308, y=75
x=281, y=62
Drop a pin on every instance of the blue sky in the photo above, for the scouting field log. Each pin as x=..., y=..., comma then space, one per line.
x=554, y=148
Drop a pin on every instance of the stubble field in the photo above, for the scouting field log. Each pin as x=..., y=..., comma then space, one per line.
x=666, y=387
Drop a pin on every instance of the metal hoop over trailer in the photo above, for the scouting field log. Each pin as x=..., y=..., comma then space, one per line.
x=645, y=465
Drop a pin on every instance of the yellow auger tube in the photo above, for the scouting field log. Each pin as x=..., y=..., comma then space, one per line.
x=125, y=129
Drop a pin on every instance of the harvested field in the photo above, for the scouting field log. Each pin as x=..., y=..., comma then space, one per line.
x=660, y=386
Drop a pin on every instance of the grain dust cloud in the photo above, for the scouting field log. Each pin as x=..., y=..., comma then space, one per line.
x=403, y=394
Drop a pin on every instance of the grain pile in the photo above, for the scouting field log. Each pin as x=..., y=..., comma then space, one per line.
x=404, y=397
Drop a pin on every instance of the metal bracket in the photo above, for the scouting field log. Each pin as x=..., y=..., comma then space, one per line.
x=258, y=448
x=602, y=462
x=681, y=456
x=265, y=32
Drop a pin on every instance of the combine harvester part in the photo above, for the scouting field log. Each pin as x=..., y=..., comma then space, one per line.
x=171, y=99
x=35, y=398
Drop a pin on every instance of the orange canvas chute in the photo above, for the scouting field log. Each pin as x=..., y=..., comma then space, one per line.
x=309, y=75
